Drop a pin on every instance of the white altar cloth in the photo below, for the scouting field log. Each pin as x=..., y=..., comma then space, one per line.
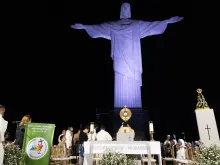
x=128, y=147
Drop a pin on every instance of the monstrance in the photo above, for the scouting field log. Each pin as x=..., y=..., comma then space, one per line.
x=125, y=114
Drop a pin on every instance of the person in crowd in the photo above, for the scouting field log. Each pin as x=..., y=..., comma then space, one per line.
x=60, y=151
x=181, y=153
x=173, y=148
x=76, y=137
x=21, y=129
x=63, y=133
x=103, y=135
x=69, y=137
x=167, y=147
x=3, y=128
x=83, y=136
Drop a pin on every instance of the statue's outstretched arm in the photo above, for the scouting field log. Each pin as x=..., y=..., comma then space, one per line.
x=96, y=31
x=156, y=27
x=174, y=19
x=78, y=26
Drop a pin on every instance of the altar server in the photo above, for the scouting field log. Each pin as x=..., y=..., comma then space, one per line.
x=103, y=135
x=3, y=127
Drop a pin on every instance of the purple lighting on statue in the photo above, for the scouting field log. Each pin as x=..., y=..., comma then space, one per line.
x=125, y=35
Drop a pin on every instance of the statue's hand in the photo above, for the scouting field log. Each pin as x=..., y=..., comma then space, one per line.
x=78, y=26
x=175, y=19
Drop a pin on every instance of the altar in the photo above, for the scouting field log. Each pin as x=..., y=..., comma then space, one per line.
x=129, y=147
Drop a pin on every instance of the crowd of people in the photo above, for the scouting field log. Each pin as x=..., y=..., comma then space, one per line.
x=72, y=144
x=180, y=149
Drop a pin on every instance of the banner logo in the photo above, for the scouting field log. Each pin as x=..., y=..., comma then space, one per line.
x=37, y=148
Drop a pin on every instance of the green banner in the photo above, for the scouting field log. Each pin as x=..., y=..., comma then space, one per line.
x=38, y=143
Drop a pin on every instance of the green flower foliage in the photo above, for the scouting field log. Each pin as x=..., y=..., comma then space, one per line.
x=13, y=155
x=113, y=158
x=208, y=155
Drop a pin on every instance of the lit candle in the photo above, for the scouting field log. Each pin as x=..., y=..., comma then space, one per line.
x=151, y=127
x=92, y=127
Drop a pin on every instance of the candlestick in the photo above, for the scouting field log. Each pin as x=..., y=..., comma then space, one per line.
x=151, y=136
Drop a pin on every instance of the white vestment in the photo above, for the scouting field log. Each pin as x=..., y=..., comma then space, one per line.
x=125, y=130
x=69, y=138
x=3, y=127
x=181, y=153
x=103, y=135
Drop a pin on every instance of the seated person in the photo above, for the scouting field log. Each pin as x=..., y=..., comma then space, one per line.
x=125, y=128
x=60, y=151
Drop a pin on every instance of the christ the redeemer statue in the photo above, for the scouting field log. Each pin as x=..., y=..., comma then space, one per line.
x=125, y=35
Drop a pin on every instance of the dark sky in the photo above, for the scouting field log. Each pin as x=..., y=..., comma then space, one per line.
x=61, y=75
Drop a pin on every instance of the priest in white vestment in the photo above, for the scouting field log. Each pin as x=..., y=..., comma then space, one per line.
x=125, y=128
x=3, y=127
x=103, y=135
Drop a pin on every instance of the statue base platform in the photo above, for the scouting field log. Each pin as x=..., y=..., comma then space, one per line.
x=138, y=122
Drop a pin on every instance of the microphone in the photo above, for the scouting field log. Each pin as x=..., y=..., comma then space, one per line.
x=16, y=122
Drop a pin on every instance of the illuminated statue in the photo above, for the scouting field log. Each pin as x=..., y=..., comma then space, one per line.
x=125, y=35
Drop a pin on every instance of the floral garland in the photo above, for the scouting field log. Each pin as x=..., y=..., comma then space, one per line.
x=208, y=155
x=113, y=158
x=13, y=155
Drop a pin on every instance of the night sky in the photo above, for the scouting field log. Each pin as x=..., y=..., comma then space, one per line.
x=61, y=75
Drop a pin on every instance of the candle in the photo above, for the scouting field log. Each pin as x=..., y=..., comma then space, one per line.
x=151, y=127
x=92, y=127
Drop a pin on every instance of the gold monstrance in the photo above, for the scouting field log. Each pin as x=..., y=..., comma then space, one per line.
x=125, y=114
x=201, y=102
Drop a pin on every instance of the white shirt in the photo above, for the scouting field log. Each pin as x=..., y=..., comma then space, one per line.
x=69, y=138
x=103, y=135
x=3, y=127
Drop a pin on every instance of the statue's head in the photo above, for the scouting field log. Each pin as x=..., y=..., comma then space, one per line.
x=125, y=11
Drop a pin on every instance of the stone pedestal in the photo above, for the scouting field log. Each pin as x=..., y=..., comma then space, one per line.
x=207, y=126
x=138, y=122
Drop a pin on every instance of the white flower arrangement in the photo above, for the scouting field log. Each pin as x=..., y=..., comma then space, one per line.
x=13, y=155
x=113, y=158
x=208, y=155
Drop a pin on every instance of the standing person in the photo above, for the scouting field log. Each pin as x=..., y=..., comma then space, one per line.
x=103, y=135
x=69, y=137
x=167, y=147
x=83, y=136
x=3, y=127
x=181, y=153
x=21, y=129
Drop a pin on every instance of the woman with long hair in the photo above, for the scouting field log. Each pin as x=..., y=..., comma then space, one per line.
x=21, y=129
